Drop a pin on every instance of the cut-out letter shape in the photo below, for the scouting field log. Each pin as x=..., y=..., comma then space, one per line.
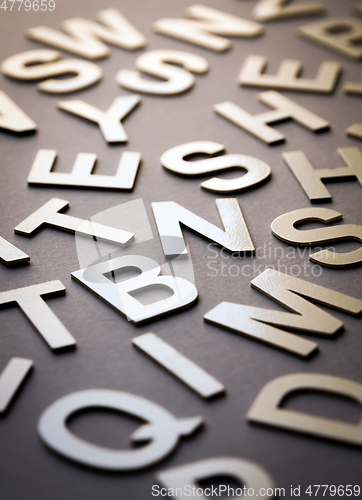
x=257, y=124
x=162, y=430
x=353, y=88
x=81, y=175
x=204, y=26
x=257, y=171
x=31, y=302
x=291, y=293
x=249, y=474
x=311, y=179
x=355, y=130
x=13, y=118
x=120, y=295
x=170, y=215
x=38, y=64
x=48, y=215
x=340, y=34
x=284, y=228
x=84, y=38
x=10, y=255
x=266, y=409
x=109, y=121
x=11, y=379
x=156, y=63
x=251, y=75
x=204, y=384
x=271, y=10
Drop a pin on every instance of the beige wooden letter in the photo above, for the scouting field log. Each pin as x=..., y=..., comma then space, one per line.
x=251, y=75
x=257, y=171
x=156, y=63
x=311, y=179
x=109, y=121
x=266, y=408
x=355, y=130
x=38, y=64
x=257, y=124
x=283, y=227
x=270, y=10
x=291, y=293
x=339, y=34
x=353, y=88
x=84, y=38
x=13, y=118
x=204, y=26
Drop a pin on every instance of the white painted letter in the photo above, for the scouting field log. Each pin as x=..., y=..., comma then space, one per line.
x=162, y=430
x=181, y=367
x=48, y=215
x=120, y=295
x=82, y=175
x=248, y=473
x=30, y=301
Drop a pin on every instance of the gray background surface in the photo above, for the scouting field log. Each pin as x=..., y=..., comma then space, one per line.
x=105, y=357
